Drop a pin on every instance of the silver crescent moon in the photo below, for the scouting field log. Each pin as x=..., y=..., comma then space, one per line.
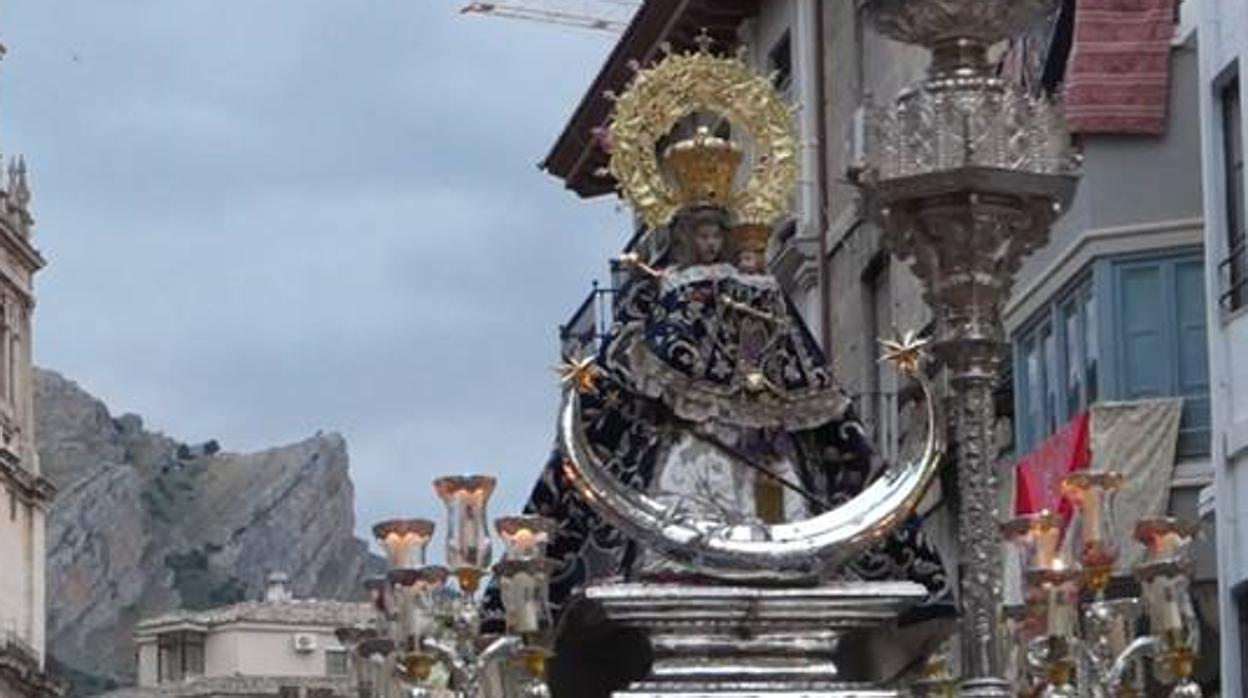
x=804, y=548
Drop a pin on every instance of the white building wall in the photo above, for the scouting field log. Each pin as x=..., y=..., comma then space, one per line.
x=271, y=652
x=221, y=654
x=38, y=581
x=1223, y=44
x=11, y=544
x=148, y=674
x=268, y=651
x=795, y=259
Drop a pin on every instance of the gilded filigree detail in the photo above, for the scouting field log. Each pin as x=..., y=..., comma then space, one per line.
x=943, y=125
x=680, y=85
x=932, y=21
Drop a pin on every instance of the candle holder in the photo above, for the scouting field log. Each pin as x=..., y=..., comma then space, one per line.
x=404, y=541
x=1166, y=538
x=1058, y=588
x=1111, y=628
x=1172, y=619
x=426, y=639
x=467, y=535
x=375, y=668
x=524, y=537
x=524, y=585
x=1024, y=624
x=379, y=595
x=1092, y=494
x=1034, y=539
x=1104, y=655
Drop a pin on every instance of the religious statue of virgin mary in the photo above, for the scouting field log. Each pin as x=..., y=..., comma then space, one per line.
x=709, y=394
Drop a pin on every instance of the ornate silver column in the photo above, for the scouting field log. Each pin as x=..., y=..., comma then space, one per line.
x=966, y=175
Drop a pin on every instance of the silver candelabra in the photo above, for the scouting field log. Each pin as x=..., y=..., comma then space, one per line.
x=1063, y=646
x=965, y=175
x=427, y=638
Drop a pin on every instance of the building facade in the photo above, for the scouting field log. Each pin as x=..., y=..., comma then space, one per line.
x=280, y=646
x=26, y=492
x=1223, y=40
x=824, y=61
x=1110, y=311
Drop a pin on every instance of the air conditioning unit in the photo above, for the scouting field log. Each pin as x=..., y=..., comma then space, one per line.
x=304, y=642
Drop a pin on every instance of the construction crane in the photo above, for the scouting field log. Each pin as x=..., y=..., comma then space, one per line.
x=609, y=16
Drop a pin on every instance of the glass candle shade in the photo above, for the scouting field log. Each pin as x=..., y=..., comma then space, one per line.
x=1059, y=589
x=467, y=538
x=524, y=586
x=1171, y=617
x=1023, y=624
x=349, y=638
x=413, y=591
x=524, y=537
x=1034, y=539
x=1092, y=495
x=1110, y=627
x=376, y=661
x=404, y=541
x=1165, y=538
x=379, y=595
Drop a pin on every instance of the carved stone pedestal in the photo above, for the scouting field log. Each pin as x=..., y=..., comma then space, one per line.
x=733, y=641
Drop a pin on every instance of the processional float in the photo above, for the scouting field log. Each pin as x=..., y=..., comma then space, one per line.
x=708, y=385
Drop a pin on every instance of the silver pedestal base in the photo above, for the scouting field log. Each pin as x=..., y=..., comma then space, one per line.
x=733, y=641
x=847, y=691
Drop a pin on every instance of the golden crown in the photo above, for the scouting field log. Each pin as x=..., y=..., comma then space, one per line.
x=703, y=168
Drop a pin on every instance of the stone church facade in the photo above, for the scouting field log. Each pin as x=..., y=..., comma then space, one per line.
x=26, y=493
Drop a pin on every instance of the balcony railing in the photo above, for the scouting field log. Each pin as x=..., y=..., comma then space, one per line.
x=1233, y=272
x=583, y=333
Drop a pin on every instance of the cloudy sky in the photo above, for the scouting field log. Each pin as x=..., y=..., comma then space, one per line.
x=266, y=218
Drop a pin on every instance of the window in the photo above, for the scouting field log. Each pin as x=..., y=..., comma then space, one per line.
x=1158, y=336
x=780, y=62
x=1135, y=328
x=1235, y=267
x=6, y=379
x=1240, y=594
x=1059, y=359
x=336, y=663
x=181, y=656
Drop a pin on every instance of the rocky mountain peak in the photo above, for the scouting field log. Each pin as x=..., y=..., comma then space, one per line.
x=145, y=524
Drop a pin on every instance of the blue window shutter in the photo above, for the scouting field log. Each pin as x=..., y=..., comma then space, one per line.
x=1191, y=348
x=1143, y=352
x=1159, y=337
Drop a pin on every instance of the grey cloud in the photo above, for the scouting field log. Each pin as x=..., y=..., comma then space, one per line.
x=267, y=218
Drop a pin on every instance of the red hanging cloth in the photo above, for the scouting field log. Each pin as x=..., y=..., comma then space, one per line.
x=1039, y=474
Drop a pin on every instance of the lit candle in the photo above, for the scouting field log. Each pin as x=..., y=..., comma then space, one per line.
x=404, y=541
x=525, y=537
x=1047, y=540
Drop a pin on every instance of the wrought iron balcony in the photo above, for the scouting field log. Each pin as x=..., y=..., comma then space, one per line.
x=1233, y=272
x=583, y=333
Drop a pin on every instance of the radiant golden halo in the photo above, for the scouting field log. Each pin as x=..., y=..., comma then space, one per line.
x=686, y=83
